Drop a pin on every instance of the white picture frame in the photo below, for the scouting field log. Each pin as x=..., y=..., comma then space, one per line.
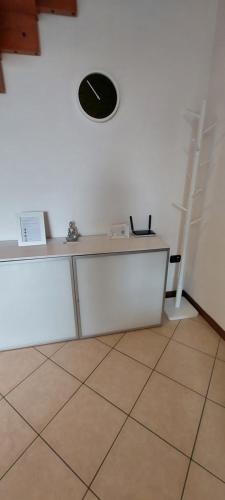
x=31, y=229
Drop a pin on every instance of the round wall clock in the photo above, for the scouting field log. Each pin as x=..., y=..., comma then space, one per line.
x=98, y=97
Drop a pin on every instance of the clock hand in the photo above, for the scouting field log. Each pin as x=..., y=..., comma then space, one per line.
x=92, y=88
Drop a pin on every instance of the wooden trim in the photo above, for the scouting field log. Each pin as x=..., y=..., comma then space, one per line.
x=201, y=311
x=205, y=315
x=61, y=7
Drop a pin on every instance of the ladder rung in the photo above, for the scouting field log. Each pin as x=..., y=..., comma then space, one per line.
x=180, y=207
x=195, y=221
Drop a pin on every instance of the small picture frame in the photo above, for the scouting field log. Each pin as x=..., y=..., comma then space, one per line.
x=31, y=229
x=119, y=231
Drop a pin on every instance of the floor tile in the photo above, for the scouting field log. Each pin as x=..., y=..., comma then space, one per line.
x=15, y=436
x=143, y=345
x=16, y=365
x=187, y=366
x=198, y=335
x=199, y=318
x=83, y=431
x=167, y=328
x=90, y=496
x=50, y=349
x=39, y=475
x=217, y=385
x=111, y=339
x=42, y=394
x=80, y=357
x=140, y=466
x=170, y=410
x=120, y=379
x=221, y=350
x=201, y=485
x=210, y=446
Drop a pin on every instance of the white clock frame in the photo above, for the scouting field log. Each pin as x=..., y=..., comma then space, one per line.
x=99, y=120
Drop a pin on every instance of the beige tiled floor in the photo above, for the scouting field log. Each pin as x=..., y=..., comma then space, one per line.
x=187, y=366
x=221, y=350
x=122, y=385
x=42, y=394
x=139, y=416
x=164, y=402
x=146, y=346
x=199, y=335
x=80, y=357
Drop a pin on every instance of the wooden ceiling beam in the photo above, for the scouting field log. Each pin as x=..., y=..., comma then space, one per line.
x=19, y=33
x=20, y=6
x=18, y=27
x=62, y=7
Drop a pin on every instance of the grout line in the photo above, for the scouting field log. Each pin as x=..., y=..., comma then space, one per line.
x=199, y=425
x=39, y=352
x=207, y=470
x=83, y=381
x=76, y=377
x=180, y=383
x=105, y=343
x=105, y=398
x=85, y=495
x=222, y=405
x=135, y=359
x=154, y=368
x=110, y=402
x=18, y=458
x=220, y=359
x=57, y=350
x=94, y=494
x=127, y=417
x=38, y=435
x=61, y=408
x=62, y=459
x=195, y=348
x=65, y=370
x=27, y=376
x=21, y=416
x=117, y=435
x=160, y=437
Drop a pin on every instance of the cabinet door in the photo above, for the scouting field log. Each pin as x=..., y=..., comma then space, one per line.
x=36, y=302
x=120, y=292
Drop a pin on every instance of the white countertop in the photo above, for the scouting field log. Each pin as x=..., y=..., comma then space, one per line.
x=86, y=245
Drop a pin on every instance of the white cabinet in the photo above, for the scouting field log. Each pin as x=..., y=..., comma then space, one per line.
x=36, y=302
x=120, y=291
x=98, y=285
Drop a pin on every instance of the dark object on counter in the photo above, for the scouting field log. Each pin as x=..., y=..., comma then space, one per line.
x=142, y=232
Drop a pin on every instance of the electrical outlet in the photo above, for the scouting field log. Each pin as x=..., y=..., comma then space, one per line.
x=175, y=259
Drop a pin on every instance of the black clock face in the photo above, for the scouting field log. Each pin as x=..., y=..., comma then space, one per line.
x=98, y=96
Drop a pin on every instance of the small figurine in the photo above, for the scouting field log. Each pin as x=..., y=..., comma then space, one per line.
x=73, y=232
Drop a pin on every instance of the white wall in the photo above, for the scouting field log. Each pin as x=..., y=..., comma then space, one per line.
x=55, y=159
x=206, y=281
